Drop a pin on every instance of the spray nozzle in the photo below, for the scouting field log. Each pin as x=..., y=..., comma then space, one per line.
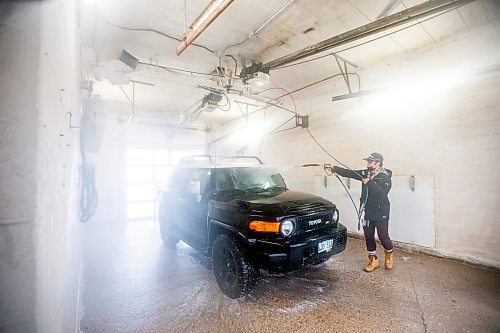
x=328, y=169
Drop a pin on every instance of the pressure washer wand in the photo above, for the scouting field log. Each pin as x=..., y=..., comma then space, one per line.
x=308, y=165
x=329, y=172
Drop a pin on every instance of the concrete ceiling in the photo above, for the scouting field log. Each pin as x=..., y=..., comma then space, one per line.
x=148, y=30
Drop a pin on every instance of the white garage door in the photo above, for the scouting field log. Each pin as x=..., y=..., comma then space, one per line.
x=147, y=174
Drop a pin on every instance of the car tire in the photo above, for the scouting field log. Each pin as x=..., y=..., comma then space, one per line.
x=168, y=238
x=235, y=275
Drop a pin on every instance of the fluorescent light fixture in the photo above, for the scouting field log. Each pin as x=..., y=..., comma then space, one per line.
x=128, y=59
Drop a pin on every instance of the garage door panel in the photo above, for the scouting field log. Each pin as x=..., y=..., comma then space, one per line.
x=412, y=212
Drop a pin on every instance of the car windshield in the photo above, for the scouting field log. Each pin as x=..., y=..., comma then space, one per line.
x=248, y=179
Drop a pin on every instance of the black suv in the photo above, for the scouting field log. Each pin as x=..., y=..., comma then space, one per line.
x=246, y=219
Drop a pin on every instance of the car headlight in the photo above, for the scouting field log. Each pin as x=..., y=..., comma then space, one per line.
x=286, y=228
x=335, y=216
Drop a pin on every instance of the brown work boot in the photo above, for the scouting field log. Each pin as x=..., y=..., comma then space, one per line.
x=372, y=264
x=389, y=260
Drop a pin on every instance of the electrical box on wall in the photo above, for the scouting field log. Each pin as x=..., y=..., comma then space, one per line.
x=302, y=121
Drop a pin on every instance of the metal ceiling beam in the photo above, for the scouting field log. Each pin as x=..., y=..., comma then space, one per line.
x=413, y=13
x=209, y=14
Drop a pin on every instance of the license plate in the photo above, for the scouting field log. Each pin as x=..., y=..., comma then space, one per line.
x=325, y=246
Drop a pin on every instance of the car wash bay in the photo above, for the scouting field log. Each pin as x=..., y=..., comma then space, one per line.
x=100, y=100
x=135, y=284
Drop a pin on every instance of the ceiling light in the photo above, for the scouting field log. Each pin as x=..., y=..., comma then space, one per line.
x=258, y=79
x=255, y=75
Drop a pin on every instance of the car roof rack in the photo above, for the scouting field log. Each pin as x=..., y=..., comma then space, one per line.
x=215, y=159
x=196, y=158
x=234, y=158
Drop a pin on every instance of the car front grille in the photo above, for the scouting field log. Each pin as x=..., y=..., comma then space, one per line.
x=314, y=221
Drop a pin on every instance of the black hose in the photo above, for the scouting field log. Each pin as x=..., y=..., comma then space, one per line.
x=358, y=211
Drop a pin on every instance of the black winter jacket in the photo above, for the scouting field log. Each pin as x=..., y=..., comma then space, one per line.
x=377, y=205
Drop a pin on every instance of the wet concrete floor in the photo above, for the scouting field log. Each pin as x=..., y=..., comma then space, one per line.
x=131, y=283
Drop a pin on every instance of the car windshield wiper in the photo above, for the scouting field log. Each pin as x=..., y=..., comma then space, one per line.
x=232, y=191
x=277, y=187
x=266, y=189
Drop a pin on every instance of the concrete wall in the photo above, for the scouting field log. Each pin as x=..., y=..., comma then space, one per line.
x=446, y=124
x=39, y=228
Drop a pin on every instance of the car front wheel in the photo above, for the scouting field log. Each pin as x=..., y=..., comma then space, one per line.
x=235, y=275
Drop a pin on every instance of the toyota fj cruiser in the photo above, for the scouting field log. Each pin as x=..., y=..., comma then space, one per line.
x=246, y=219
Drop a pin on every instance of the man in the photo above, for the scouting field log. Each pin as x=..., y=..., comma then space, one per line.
x=375, y=206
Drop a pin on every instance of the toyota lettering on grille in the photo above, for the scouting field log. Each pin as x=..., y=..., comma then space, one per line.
x=315, y=222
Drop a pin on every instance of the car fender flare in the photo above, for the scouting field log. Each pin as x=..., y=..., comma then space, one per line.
x=214, y=225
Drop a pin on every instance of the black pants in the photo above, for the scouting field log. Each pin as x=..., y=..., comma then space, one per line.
x=382, y=232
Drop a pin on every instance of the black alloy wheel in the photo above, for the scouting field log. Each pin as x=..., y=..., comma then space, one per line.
x=234, y=274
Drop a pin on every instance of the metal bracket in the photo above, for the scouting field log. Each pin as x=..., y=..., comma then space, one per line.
x=70, y=120
x=132, y=102
x=244, y=113
x=389, y=8
x=241, y=151
x=343, y=69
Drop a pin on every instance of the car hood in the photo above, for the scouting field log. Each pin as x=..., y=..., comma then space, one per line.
x=288, y=202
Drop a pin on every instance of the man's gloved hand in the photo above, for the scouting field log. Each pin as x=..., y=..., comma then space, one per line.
x=328, y=169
